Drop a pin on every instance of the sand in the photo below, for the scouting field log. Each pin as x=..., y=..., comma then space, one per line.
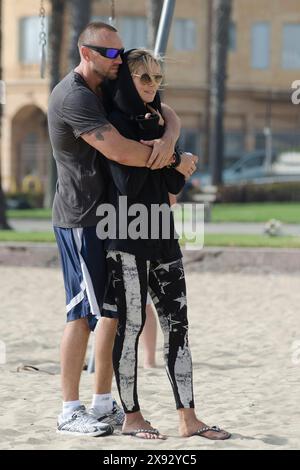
x=244, y=329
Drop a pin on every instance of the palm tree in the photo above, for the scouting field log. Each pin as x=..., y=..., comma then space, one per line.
x=80, y=17
x=55, y=41
x=221, y=15
x=3, y=220
x=154, y=8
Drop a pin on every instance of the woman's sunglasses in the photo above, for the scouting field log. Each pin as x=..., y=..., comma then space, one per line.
x=146, y=79
x=108, y=52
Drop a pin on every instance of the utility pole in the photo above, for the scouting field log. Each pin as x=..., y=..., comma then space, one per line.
x=268, y=134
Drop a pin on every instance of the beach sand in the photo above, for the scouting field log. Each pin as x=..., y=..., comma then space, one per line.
x=243, y=328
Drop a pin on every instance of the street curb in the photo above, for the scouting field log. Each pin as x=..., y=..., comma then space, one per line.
x=29, y=254
x=216, y=259
x=237, y=259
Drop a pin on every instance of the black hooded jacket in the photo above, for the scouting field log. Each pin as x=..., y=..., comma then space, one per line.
x=126, y=111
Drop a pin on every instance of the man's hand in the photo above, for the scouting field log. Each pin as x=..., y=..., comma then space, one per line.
x=188, y=164
x=163, y=149
x=162, y=152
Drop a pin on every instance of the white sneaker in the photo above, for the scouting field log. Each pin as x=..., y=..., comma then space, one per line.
x=81, y=423
x=115, y=417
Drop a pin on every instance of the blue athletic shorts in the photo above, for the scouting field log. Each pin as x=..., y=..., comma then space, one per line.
x=84, y=271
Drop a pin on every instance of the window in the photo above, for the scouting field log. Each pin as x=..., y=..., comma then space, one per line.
x=253, y=162
x=29, y=41
x=232, y=37
x=291, y=46
x=104, y=19
x=260, y=45
x=184, y=35
x=189, y=141
x=133, y=31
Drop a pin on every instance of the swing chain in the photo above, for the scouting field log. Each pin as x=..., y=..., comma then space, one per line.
x=43, y=40
x=113, y=12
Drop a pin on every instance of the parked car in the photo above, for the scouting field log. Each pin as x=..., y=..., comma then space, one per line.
x=253, y=168
x=287, y=163
x=17, y=202
x=250, y=168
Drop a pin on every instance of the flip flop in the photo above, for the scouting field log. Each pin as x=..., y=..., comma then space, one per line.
x=27, y=367
x=30, y=368
x=200, y=432
x=154, y=432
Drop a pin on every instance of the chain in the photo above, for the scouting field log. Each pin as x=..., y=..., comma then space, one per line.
x=113, y=12
x=43, y=39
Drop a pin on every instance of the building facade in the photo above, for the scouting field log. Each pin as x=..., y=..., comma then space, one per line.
x=264, y=61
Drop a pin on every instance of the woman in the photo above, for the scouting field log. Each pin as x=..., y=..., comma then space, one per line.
x=149, y=262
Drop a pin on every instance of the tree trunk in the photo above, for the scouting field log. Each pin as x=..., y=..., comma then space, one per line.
x=55, y=41
x=206, y=135
x=80, y=17
x=154, y=8
x=3, y=220
x=219, y=52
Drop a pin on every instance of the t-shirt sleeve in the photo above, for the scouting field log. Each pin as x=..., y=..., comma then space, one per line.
x=83, y=112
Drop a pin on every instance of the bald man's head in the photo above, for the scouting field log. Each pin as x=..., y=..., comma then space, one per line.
x=91, y=32
x=94, y=62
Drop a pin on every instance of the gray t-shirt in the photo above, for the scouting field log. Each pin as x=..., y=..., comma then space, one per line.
x=75, y=109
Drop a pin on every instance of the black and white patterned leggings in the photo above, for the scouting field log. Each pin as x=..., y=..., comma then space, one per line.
x=129, y=281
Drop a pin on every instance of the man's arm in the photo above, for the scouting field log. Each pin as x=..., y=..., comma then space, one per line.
x=166, y=145
x=163, y=148
x=107, y=140
x=86, y=117
x=173, y=123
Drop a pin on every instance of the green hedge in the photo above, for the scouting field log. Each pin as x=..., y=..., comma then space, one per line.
x=275, y=192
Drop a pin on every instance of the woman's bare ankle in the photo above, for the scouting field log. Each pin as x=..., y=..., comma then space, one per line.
x=132, y=418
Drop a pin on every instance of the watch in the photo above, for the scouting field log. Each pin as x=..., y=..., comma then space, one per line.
x=176, y=158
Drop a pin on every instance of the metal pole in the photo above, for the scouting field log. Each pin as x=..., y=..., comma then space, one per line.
x=268, y=135
x=268, y=149
x=164, y=27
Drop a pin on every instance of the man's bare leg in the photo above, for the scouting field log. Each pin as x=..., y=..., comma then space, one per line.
x=104, y=343
x=72, y=352
x=103, y=407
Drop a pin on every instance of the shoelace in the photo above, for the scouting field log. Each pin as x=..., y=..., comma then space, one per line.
x=82, y=415
x=118, y=412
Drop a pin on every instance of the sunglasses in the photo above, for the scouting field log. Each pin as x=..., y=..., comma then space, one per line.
x=146, y=79
x=108, y=52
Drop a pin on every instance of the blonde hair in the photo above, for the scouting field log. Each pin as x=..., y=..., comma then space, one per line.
x=143, y=57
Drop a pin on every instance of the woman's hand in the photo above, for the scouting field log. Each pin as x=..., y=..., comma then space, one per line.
x=188, y=164
x=161, y=121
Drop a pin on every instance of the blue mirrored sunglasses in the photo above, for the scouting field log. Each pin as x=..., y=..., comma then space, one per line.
x=108, y=52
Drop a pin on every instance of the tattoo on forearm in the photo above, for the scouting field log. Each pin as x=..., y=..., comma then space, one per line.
x=98, y=133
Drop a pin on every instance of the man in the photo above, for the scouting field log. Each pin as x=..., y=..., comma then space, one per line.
x=78, y=131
